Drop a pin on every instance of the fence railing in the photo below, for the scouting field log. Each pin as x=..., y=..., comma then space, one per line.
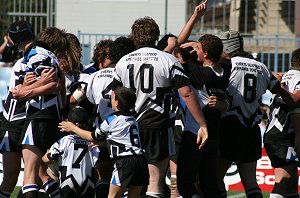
x=275, y=51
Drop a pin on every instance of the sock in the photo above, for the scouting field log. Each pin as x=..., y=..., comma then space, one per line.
x=102, y=188
x=154, y=194
x=4, y=194
x=274, y=195
x=30, y=190
x=254, y=193
x=52, y=188
x=295, y=195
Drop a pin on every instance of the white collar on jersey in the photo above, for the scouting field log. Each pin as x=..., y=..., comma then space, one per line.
x=218, y=74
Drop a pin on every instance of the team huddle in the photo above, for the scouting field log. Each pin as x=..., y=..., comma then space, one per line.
x=115, y=128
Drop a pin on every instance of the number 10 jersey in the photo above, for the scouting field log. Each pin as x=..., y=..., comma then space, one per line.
x=153, y=75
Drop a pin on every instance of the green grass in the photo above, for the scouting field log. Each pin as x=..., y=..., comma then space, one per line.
x=15, y=192
x=229, y=193
x=265, y=195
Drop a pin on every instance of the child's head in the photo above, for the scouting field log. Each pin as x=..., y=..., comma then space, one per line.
x=123, y=99
x=78, y=116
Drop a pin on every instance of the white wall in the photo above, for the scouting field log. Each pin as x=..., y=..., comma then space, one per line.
x=117, y=16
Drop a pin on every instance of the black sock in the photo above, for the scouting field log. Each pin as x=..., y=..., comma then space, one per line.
x=102, y=188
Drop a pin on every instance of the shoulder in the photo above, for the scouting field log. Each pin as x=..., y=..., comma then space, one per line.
x=111, y=118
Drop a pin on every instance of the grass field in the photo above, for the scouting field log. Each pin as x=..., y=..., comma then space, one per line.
x=234, y=194
x=231, y=194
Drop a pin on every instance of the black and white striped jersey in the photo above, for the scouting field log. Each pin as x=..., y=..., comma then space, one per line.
x=45, y=106
x=76, y=160
x=98, y=91
x=153, y=75
x=15, y=110
x=122, y=134
x=248, y=81
x=279, y=130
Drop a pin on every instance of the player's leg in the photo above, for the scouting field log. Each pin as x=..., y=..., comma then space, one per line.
x=173, y=162
x=159, y=146
x=188, y=165
x=114, y=191
x=247, y=173
x=11, y=162
x=157, y=173
x=286, y=181
x=134, y=191
x=48, y=183
x=32, y=159
x=39, y=135
x=208, y=174
x=104, y=167
x=223, y=167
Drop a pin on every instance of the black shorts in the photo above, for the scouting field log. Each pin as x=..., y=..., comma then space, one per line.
x=130, y=171
x=10, y=135
x=41, y=133
x=10, y=142
x=239, y=143
x=177, y=137
x=281, y=156
x=158, y=143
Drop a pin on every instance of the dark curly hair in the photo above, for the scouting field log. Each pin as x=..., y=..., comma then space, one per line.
x=212, y=45
x=101, y=51
x=120, y=47
x=144, y=32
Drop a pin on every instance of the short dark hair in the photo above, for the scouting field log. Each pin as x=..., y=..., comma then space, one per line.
x=212, y=45
x=144, y=32
x=120, y=47
x=126, y=98
x=163, y=42
x=78, y=115
x=295, y=60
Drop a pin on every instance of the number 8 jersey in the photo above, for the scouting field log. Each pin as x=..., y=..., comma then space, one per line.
x=153, y=75
x=248, y=81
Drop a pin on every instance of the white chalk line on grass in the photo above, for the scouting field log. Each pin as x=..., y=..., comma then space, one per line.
x=240, y=195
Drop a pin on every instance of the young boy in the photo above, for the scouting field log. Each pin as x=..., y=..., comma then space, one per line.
x=76, y=159
x=122, y=133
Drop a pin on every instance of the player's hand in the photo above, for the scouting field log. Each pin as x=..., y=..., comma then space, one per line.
x=202, y=136
x=213, y=101
x=194, y=45
x=47, y=76
x=20, y=93
x=66, y=126
x=29, y=78
x=172, y=41
x=200, y=9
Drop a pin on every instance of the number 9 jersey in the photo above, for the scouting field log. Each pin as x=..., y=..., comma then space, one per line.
x=248, y=81
x=153, y=75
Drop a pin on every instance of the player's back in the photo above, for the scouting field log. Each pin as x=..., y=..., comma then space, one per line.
x=150, y=72
x=249, y=80
x=98, y=90
x=76, y=161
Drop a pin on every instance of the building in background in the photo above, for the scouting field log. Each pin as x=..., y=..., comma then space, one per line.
x=270, y=27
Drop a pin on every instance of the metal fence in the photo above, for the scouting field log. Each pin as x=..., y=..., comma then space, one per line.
x=275, y=52
x=40, y=13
